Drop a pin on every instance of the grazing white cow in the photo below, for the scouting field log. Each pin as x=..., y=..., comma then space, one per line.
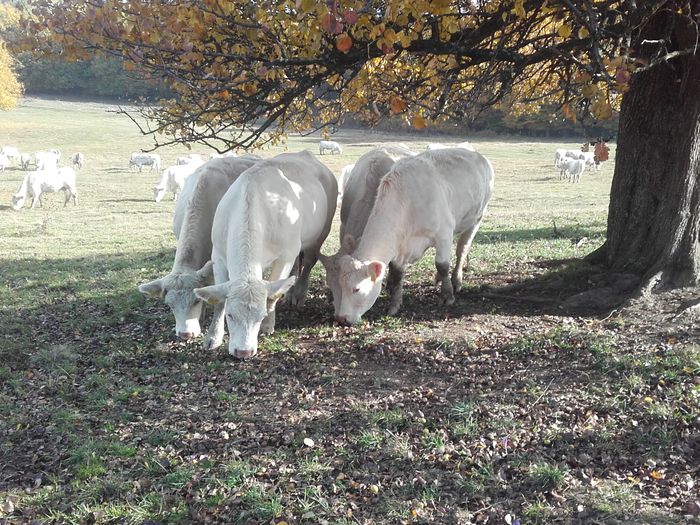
x=329, y=145
x=10, y=152
x=206, y=186
x=432, y=146
x=187, y=159
x=77, y=159
x=589, y=158
x=25, y=159
x=360, y=192
x=572, y=169
x=46, y=181
x=46, y=160
x=423, y=201
x=173, y=179
x=4, y=162
x=278, y=209
x=145, y=159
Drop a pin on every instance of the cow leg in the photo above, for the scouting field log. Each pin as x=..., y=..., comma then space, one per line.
x=215, y=333
x=280, y=269
x=464, y=244
x=35, y=199
x=66, y=197
x=443, y=251
x=394, y=286
x=297, y=295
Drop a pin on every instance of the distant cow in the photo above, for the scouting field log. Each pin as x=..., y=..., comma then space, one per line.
x=46, y=160
x=25, y=159
x=77, y=159
x=329, y=145
x=190, y=158
x=4, y=162
x=423, y=201
x=46, y=181
x=194, y=216
x=10, y=152
x=173, y=179
x=278, y=209
x=140, y=160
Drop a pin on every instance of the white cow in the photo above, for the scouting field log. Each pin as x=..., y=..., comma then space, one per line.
x=4, y=162
x=572, y=169
x=46, y=181
x=206, y=186
x=278, y=209
x=344, y=174
x=589, y=158
x=25, y=159
x=329, y=145
x=360, y=192
x=145, y=159
x=222, y=155
x=423, y=201
x=46, y=160
x=10, y=152
x=187, y=159
x=173, y=179
x=77, y=159
x=466, y=145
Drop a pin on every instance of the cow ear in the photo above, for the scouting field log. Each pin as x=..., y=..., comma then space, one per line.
x=206, y=272
x=375, y=270
x=214, y=294
x=276, y=289
x=153, y=289
x=348, y=244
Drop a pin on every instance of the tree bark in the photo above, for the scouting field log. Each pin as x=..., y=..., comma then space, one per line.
x=654, y=214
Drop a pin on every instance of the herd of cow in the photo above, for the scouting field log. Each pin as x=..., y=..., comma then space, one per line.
x=240, y=218
x=47, y=176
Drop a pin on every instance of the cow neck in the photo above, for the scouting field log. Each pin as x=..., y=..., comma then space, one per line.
x=246, y=234
x=382, y=235
x=194, y=245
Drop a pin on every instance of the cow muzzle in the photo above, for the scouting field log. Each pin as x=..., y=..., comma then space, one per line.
x=185, y=336
x=243, y=354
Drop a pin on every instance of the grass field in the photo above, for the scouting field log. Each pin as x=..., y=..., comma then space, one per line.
x=494, y=410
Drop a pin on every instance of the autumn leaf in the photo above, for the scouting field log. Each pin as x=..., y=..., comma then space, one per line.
x=583, y=33
x=564, y=31
x=397, y=105
x=349, y=16
x=343, y=43
x=418, y=122
x=568, y=112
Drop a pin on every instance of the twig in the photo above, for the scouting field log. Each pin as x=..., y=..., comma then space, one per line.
x=546, y=389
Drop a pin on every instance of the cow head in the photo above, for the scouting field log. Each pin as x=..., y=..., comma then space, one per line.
x=158, y=193
x=17, y=201
x=360, y=283
x=331, y=264
x=248, y=302
x=177, y=290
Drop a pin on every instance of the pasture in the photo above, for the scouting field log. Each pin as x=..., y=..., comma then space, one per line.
x=508, y=407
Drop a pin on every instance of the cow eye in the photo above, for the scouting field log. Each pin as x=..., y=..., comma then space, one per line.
x=355, y=290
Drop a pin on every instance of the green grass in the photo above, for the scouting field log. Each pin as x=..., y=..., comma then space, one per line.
x=429, y=417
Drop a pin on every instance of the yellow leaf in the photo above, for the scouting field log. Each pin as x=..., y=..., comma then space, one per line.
x=583, y=33
x=564, y=31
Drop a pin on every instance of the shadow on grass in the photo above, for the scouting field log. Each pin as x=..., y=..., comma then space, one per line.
x=89, y=369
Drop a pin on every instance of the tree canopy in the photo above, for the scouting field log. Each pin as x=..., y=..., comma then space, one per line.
x=246, y=72
x=10, y=87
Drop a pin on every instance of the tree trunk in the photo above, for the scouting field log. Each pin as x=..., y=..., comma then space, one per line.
x=654, y=215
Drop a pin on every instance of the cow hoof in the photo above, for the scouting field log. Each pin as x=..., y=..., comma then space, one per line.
x=211, y=343
x=447, y=301
x=394, y=309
